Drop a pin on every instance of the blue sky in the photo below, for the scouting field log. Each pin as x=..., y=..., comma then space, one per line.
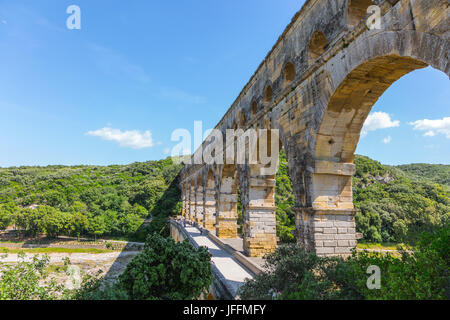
x=137, y=70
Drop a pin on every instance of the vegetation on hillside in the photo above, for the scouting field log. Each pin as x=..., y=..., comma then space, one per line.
x=88, y=200
x=392, y=205
x=437, y=173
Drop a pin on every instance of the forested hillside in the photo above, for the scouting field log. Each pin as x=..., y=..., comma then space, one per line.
x=87, y=200
x=437, y=173
x=394, y=204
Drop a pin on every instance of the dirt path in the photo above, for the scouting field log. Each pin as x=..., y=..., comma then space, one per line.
x=111, y=264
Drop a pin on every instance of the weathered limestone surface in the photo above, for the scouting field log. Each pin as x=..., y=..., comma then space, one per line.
x=209, y=201
x=226, y=199
x=199, y=205
x=257, y=197
x=317, y=86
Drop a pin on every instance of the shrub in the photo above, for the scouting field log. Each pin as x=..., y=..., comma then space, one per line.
x=167, y=270
x=295, y=274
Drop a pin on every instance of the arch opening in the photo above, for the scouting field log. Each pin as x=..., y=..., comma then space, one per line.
x=331, y=187
x=289, y=73
x=352, y=102
x=254, y=108
x=317, y=46
x=268, y=94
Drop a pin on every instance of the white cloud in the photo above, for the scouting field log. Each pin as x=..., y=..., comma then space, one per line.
x=132, y=139
x=387, y=140
x=433, y=127
x=378, y=120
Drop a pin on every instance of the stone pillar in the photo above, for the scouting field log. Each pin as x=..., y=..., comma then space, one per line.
x=259, y=212
x=210, y=205
x=199, y=207
x=325, y=216
x=334, y=232
x=332, y=217
x=184, y=200
x=226, y=205
x=191, y=203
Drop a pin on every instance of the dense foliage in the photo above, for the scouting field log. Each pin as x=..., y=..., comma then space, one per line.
x=284, y=201
x=436, y=173
x=88, y=200
x=296, y=274
x=394, y=206
x=163, y=270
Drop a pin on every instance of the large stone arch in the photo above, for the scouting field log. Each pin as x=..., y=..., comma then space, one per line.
x=368, y=68
x=354, y=81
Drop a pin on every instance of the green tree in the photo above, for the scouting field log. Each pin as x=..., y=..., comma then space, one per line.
x=7, y=212
x=97, y=226
x=79, y=224
x=53, y=222
x=130, y=223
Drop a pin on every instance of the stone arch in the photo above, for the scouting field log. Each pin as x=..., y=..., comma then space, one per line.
x=268, y=93
x=317, y=46
x=356, y=10
x=360, y=76
x=289, y=73
x=388, y=57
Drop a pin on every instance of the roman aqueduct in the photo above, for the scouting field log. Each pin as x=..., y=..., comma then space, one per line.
x=316, y=86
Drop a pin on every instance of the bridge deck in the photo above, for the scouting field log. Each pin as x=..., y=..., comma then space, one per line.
x=232, y=271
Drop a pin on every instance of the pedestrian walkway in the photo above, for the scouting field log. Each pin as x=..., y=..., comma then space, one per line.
x=228, y=266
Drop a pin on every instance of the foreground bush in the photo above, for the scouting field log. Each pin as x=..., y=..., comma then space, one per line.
x=163, y=270
x=296, y=274
x=167, y=270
